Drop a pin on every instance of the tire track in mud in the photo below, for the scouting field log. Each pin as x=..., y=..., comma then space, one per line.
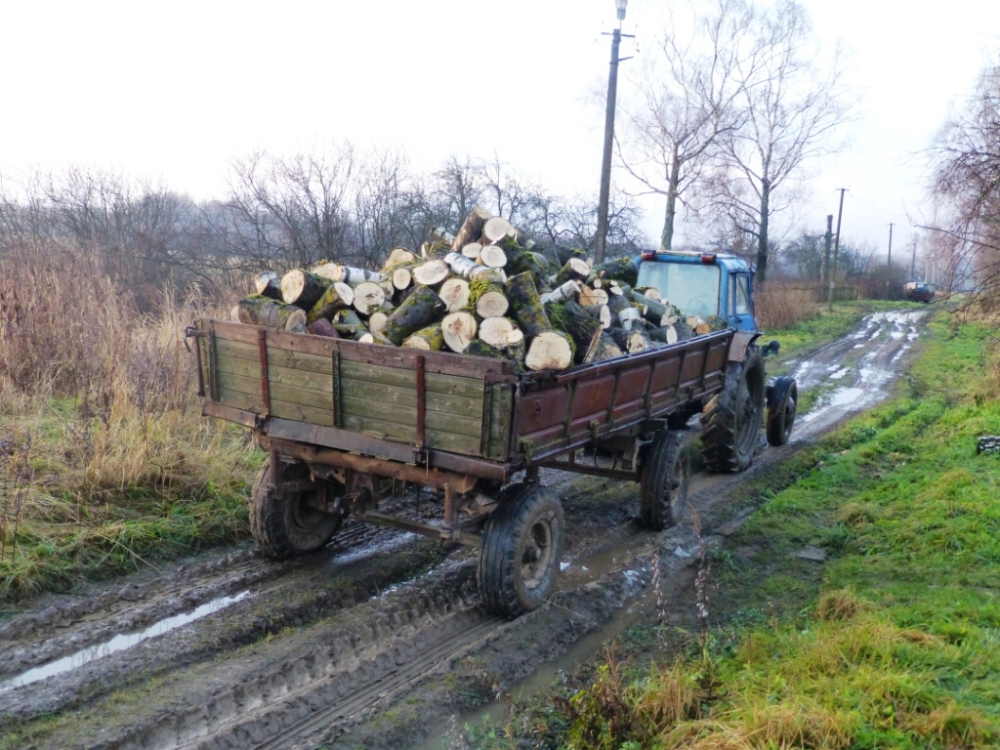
x=335, y=666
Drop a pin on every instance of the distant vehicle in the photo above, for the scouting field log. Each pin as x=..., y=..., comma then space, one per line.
x=920, y=291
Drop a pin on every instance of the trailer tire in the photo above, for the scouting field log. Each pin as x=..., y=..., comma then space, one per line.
x=282, y=523
x=664, y=485
x=781, y=409
x=522, y=544
x=731, y=420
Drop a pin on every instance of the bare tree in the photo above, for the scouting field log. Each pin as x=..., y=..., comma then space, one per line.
x=965, y=162
x=792, y=112
x=684, y=101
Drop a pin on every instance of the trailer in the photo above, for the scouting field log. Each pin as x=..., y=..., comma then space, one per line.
x=344, y=421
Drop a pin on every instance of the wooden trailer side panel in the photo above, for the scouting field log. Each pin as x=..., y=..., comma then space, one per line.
x=463, y=406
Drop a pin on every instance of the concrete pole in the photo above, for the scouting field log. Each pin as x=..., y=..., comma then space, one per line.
x=888, y=280
x=836, y=249
x=609, y=137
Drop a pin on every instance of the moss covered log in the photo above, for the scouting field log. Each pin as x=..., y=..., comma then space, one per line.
x=527, y=305
x=419, y=310
x=578, y=323
x=338, y=296
x=622, y=269
x=258, y=310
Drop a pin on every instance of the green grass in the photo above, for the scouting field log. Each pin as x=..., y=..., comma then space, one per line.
x=893, y=642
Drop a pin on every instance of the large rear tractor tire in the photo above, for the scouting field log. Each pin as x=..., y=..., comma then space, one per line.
x=664, y=485
x=286, y=523
x=731, y=420
x=782, y=404
x=522, y=544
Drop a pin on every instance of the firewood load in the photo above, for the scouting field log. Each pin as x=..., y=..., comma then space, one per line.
x=484, y=291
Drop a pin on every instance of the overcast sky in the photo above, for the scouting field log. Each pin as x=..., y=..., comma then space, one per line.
x=177, y=90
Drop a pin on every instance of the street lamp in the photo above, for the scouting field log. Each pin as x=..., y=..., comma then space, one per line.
x=609, y=136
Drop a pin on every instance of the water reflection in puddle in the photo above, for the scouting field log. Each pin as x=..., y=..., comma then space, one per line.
x=118, y=643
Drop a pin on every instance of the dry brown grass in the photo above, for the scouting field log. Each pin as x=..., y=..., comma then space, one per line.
x=780, y=304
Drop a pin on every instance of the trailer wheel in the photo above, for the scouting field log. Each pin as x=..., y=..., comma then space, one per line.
x=731, y=420
x=663, y=491
x=781, y=409
x=522, y=543
x=284, y=524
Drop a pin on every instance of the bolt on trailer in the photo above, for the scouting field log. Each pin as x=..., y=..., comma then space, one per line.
x=341, y=419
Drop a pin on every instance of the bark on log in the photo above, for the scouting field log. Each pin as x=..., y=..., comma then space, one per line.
x=607, y=349
x=526, y=304
x=549, y=350
x=258, y=310
x=368, y=297
x=480, y=348
x=459, y=330
x=377, y=321
x=602, y=313
x=563, y=293
x=585, y=330
x=487, y=298
x=617, y=303
x=590, y=296
x=426, y=339
x=652, y=310
x=419, y=310
x=454, y=293
x=472, y=228
x=622, y=269
x=431, y=272
x=517, y=347
x=266, y=284
x=338, y=296
x=322, y=327
x=398, y=256
x=302, y=288
x=468, y=269
x=627, y=341
x=434, y=250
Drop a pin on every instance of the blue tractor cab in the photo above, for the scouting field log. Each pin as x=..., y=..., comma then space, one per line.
x=702, y=284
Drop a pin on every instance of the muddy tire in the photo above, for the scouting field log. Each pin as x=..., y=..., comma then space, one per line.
x=283, y=523
x=522, y=544
x=781, y=409
x=731, y=420
x=663, y=490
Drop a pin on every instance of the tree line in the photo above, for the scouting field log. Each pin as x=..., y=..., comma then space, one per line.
x=338, y=203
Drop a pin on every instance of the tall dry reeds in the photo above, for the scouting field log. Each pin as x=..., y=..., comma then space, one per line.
x=782, y=304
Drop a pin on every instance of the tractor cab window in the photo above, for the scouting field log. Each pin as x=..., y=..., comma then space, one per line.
x=691, y=287
x=742, y=293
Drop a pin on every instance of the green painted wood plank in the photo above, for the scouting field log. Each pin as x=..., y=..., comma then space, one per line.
x=407, y=416
x=394, y=395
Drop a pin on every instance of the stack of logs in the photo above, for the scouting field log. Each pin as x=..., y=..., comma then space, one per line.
x=482, y=292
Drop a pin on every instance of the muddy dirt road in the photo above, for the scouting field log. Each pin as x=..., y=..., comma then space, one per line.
x=378, y=640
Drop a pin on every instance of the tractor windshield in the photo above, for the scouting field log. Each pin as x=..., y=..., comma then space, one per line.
x=693, y=288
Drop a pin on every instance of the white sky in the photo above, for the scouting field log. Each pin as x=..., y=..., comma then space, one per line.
x=176, y=90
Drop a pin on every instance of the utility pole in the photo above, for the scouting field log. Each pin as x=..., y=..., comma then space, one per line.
x=609, y=137
x=888, y=277
x=824, y=260
x=913, y=262
x=836, y=248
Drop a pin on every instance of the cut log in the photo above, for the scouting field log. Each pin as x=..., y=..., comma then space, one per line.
x=563, y=293
x=650, y=291
x=419, y=310
x=496, y=228
x=549, y=350
x=402, y=277
x=607, y=349
x=617, y=303
x=258, y=310
x=622, y=269
x=266, y=284
x=454, y=293
x=628, y=341
x=434, y=250
x=694, y=321
x=354, y=276
x=499, y=331
x=563, y=254
x=573, y=270
x=322, y=327
x=398, y=256
x=517, y=346
x=327, y=270
x=472, y=228
x=487, y=298
x=585, y=330
x=671, y=334
x=388, y=288
x=652, y=310
x=480, y=348
x=368, y=297
x=427, y=339
x=702, y=328
x=459, y=330
x=527, y=306
x=338, y=296
x=471, y=250
x=234, y=313
x=589, y=296
x=302, y=288
x=349, y=317
x=431, y=272
x=377, y=321
x=492, y=256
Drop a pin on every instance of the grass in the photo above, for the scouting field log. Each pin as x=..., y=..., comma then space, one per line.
x=894, y=642
x=105, y=464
